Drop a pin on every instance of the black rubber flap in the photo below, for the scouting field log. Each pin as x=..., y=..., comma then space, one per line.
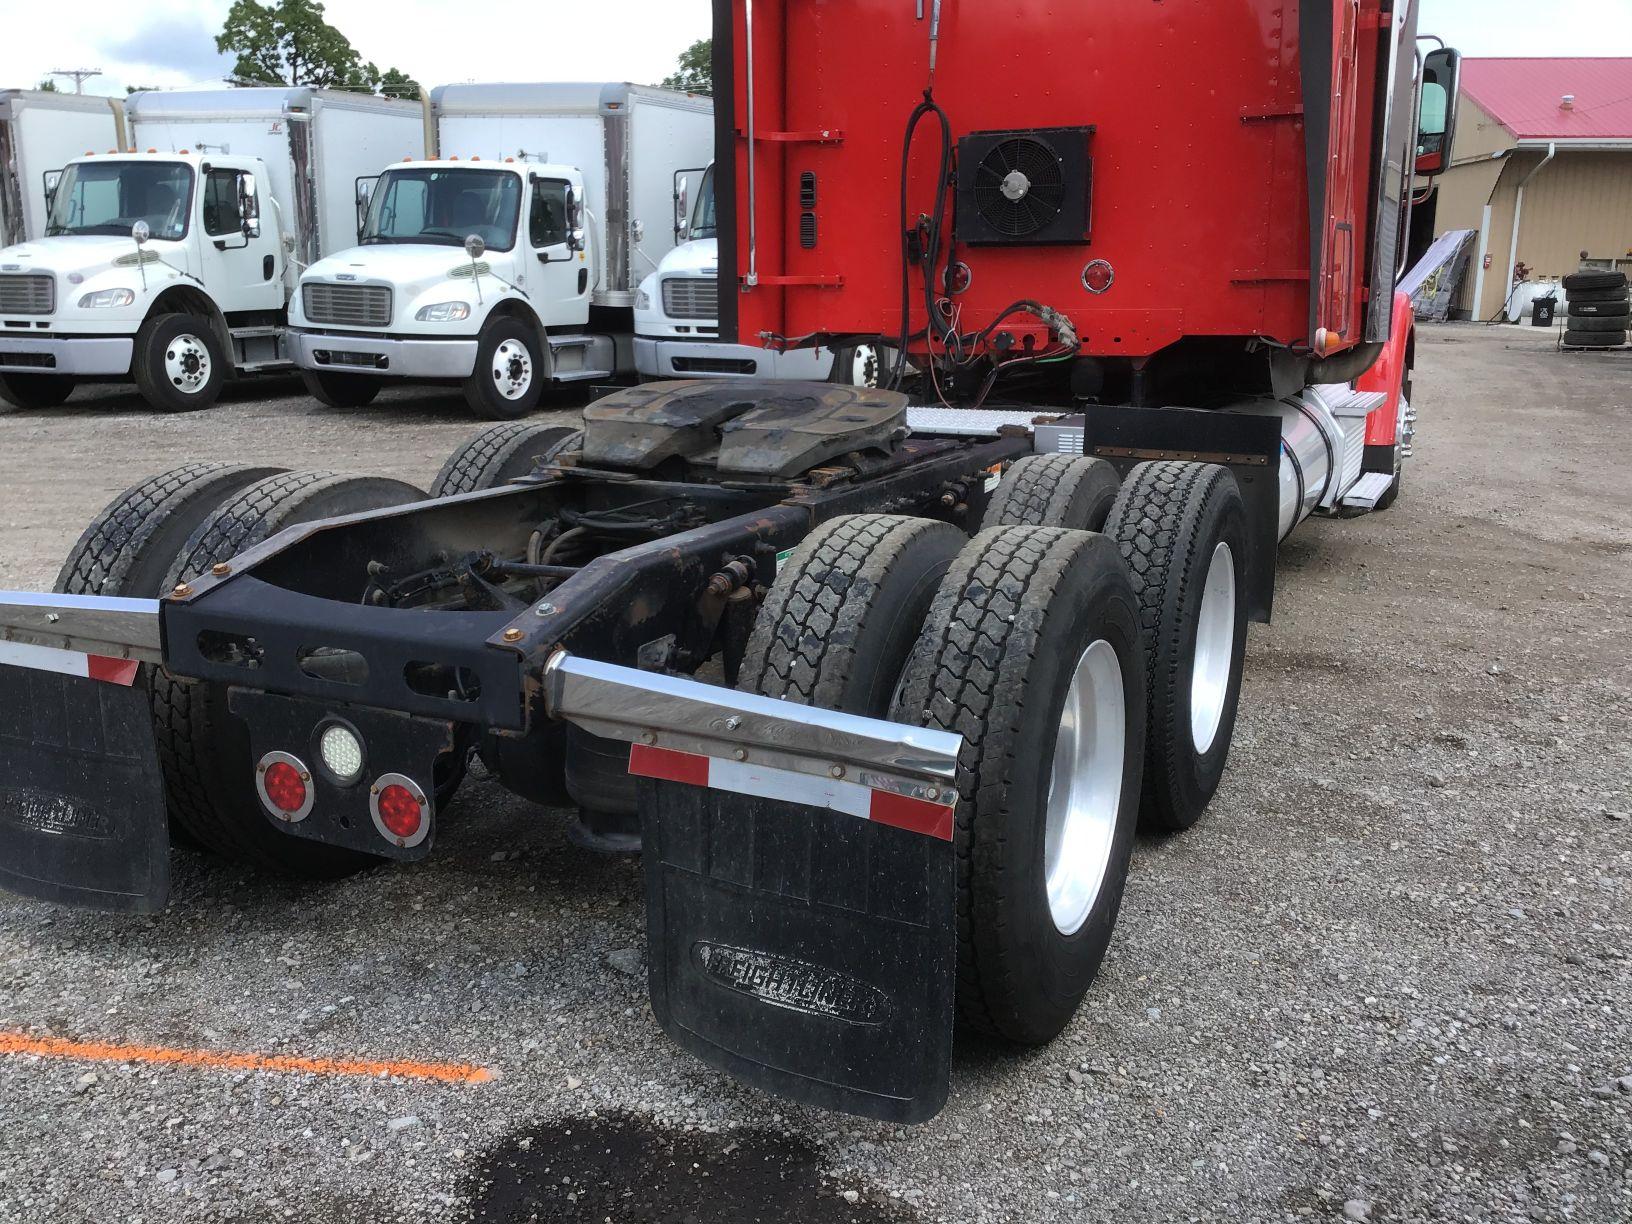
x=82, y=812
x=808, y=953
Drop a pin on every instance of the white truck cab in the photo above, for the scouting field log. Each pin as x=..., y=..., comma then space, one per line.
x=164, y=267
x=677, y=314
x=476, y=272
x=173, y=267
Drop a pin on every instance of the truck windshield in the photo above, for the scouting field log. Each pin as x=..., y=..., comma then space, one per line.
x=109, y=197
x=444, y=207
x=703, y=224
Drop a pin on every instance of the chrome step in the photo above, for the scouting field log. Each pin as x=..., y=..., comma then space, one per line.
x=1368, y=490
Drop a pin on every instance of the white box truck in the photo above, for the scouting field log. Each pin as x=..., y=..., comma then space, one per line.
x=40, y=130
x=677, y=314
x=172, y=265
x=512, y=260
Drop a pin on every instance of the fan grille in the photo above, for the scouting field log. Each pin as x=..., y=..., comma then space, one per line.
x=1043, y=194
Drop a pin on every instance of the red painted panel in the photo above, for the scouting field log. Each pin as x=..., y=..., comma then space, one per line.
x=1389, y=374
x=1200, y=182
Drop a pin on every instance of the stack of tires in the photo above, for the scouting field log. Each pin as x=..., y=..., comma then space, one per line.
x=1599, y=309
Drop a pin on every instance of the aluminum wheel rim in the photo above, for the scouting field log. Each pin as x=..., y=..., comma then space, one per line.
x=1085, y=789
x=1215, y=645
x=864, y=366
x=512, y=369
x=187, y=364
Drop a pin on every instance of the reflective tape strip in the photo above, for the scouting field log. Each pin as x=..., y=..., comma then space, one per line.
x=743, y=778
x=69, y=663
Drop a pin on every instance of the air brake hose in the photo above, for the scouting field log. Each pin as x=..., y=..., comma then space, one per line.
x=930, y=254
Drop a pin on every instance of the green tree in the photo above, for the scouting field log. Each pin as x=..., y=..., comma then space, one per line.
x=395, y=84
x=130, y=89
x=48, y=86
x=288, y=42
x=695, y=73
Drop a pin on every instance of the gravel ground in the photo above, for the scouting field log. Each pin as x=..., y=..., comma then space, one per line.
x=1387, y=978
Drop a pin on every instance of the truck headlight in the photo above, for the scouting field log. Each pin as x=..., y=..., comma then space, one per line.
x=107, y=297
x=643, y=300
x=443, y=312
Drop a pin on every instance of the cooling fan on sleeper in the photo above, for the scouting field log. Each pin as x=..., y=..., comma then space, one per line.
x=1027, y=187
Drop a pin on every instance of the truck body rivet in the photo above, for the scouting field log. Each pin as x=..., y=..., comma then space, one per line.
x=741, y=754
x=837, y=771
x=220, y=569
x=932, y=793
x=648, y=737
x=182, y=590
x=732, y=723
x=512, y=635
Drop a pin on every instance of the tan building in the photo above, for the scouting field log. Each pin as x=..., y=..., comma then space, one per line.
x=1541, y=167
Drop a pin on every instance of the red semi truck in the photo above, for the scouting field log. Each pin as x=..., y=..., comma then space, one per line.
x=879, y=681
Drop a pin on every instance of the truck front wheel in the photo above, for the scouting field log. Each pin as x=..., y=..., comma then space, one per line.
x=340, y=390
x=510, y=372
x=179, y=365
x=34, y=390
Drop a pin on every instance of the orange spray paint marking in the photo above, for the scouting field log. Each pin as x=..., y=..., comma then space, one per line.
x=115, y=1051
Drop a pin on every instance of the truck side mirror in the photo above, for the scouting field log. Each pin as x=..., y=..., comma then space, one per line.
x=1436, y=118
x=249, y=208
x=575, y=220
x=682, y=202
x=52, y=178
x=365, y=195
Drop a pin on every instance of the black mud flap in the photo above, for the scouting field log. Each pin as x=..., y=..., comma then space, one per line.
x=82, y=810
x=807, y=952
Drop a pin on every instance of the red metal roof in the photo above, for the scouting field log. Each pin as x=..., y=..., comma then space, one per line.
x=1524, y=96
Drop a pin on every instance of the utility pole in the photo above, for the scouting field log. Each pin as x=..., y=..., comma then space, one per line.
x=80, y=76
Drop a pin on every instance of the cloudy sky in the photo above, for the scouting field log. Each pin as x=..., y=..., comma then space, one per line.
x=170, y=43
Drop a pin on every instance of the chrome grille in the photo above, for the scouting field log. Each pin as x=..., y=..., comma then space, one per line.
x=691, y=297
x=347, y=305
x=27, y=295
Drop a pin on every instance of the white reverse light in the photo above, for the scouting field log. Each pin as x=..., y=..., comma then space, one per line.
x=342, y=752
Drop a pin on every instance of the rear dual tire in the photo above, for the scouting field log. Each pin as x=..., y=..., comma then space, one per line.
x=204, y=751
x=1181, y=530
x=500, y=454
x=874, y=614
x=1054, y=491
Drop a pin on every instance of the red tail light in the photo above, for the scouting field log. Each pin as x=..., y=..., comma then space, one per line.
x=401, y=811
x=285, y=786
